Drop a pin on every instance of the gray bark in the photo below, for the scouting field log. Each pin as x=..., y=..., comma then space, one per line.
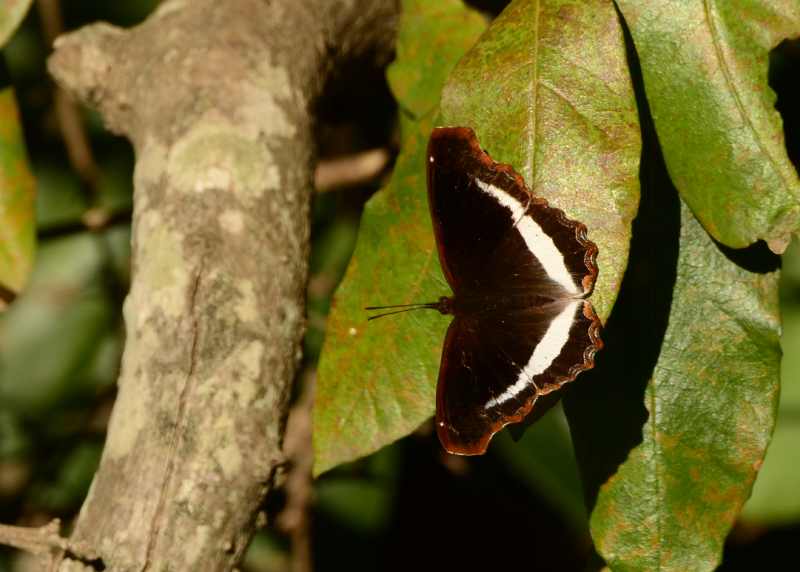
x=216, y=98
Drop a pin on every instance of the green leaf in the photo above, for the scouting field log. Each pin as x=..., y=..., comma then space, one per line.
x=359, y=503
x=17, y=189
x=672, y=425
x=705, y=69
x=360, y=495
x=14, y=440
x=376, y=382
x=432, y=37
x=775, y=500
x=65, y=314
x=59, y=198
x=11, y=14
x=547, y=91
x=267, y=553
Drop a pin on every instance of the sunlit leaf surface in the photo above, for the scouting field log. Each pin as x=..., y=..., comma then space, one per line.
x=705, y=65
x=581, y=139
x=775, y=500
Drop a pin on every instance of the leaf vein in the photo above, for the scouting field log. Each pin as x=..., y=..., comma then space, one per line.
x=558, y=93
x=533, y=95
x=656, y=474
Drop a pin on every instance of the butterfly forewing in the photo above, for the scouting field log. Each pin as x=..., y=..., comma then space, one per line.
x=469, y=225
x=479, y=209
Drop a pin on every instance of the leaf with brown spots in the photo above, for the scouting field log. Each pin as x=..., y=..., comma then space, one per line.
x=573, y=135
x=671, y=426
x=775, y=501
x=705, y=65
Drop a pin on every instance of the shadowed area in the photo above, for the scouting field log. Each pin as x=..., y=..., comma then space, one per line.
x=605, y=408
x=756, y=258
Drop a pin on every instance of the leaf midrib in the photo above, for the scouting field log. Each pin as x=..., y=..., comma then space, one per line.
x=656, y=471
x=533, y=95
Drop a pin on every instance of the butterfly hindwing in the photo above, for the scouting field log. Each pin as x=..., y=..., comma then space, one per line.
x=470, y=375
x=494, y=368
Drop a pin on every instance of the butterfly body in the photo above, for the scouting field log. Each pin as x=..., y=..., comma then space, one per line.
x=502, y=306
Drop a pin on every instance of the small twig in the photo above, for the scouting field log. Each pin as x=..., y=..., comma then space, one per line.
x=350, y=171
x=93, y=220
x=43, y=541
x=97, y=218
x=76, y=140
x=298, y=449
x=46, y=543
x=69, y=118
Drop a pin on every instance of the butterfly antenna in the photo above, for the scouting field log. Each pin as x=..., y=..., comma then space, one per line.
x=417, y=305
x=441, y=306
x=376, y=316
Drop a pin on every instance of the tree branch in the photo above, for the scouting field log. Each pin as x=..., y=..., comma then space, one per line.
x=41, y=541
x=217, y=99
x=350, y=171
x=295, y=518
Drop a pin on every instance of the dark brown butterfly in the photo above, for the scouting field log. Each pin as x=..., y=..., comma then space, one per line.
x=520, y=271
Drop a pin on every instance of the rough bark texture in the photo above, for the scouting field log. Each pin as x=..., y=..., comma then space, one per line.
x=217, y=99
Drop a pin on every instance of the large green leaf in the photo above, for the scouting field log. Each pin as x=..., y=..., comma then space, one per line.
x=547, y=90
x=376, y=382
x=705, y=66
x=17, y=189
x=11, y=14
x=672, y=425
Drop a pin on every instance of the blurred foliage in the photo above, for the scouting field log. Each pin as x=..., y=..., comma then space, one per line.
x=520, y=505
x=11, y=14
x=16, y=198
x=61, y=340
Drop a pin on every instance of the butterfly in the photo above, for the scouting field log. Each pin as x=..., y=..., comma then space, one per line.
x=521, y=273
